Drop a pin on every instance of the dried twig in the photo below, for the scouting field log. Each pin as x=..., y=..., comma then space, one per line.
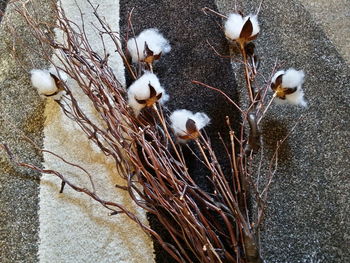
x=204, y=226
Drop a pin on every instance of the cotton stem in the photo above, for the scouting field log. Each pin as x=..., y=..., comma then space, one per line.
x=246, y=72
x=267, y=107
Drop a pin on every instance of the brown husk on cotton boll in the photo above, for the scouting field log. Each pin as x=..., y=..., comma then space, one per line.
x=242, y=29
x=147, y=47
x=187, y=125
x=146, y=91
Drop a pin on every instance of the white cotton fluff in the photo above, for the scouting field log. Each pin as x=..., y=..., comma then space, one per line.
x=179, y=118
x=233, y=26
x=296, y=98
x=140, y=90
x=235, y=23
x=155, y=41
x=292, y=78
x=255, y=23
x=43, y=82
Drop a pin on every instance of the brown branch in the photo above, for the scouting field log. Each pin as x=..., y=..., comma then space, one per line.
x=208, y=227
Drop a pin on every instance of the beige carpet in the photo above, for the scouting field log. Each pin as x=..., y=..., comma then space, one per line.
x=73, y=227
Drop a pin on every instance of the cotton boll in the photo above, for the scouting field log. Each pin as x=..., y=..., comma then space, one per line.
x=140, y=90
x=43, y=82
x=289, y=89
x=155, y=41
x=235, y=25
x=48, y=82
x=179, y=120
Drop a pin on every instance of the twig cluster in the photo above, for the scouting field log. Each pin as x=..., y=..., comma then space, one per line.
x=215, y=226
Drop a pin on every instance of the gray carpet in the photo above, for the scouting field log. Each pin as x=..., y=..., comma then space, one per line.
x=3, y=4
x=187, y=29
x=308, y=215
x=19, y=105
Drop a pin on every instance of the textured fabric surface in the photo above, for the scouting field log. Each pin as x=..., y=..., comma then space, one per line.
x=21, y=113
x=308, y=215
x=73, y=227
x=3, y=4
x=187, y=28
x=308, y=208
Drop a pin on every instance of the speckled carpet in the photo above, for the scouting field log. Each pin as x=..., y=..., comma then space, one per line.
x=308, y=216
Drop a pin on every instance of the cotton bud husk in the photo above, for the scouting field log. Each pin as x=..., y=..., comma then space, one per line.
x=148, y=46
x=146, y=91
x=187, y=125
x=242, y=29
x=48, y=82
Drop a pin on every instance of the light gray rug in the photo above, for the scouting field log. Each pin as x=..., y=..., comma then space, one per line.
x=73, y=227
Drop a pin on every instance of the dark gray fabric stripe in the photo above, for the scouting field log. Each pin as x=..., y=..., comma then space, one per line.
x=21, y=106
x=188, y=28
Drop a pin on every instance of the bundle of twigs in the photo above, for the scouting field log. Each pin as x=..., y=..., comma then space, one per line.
x=216, y=226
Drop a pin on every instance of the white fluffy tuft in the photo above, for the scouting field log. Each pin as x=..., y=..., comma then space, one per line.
x=179, y=118
x=155, y=41
x=233, y=26
x=255, y=23
x=235, y=22
x=43, y=82
x=293, y=78
x=140, y=90
x=296, y=98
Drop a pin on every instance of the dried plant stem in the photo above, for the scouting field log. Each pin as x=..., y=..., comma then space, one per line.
x=246, y=72
x=204, y=226
x=267, y=107
x=205, y=9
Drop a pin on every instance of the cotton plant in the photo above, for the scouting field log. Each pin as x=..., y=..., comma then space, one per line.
x=49, y=83
x=242, y=29
x=287, y=87
x=186, y=125
x=148, y=47
x=161, y=167
x=145, y=92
